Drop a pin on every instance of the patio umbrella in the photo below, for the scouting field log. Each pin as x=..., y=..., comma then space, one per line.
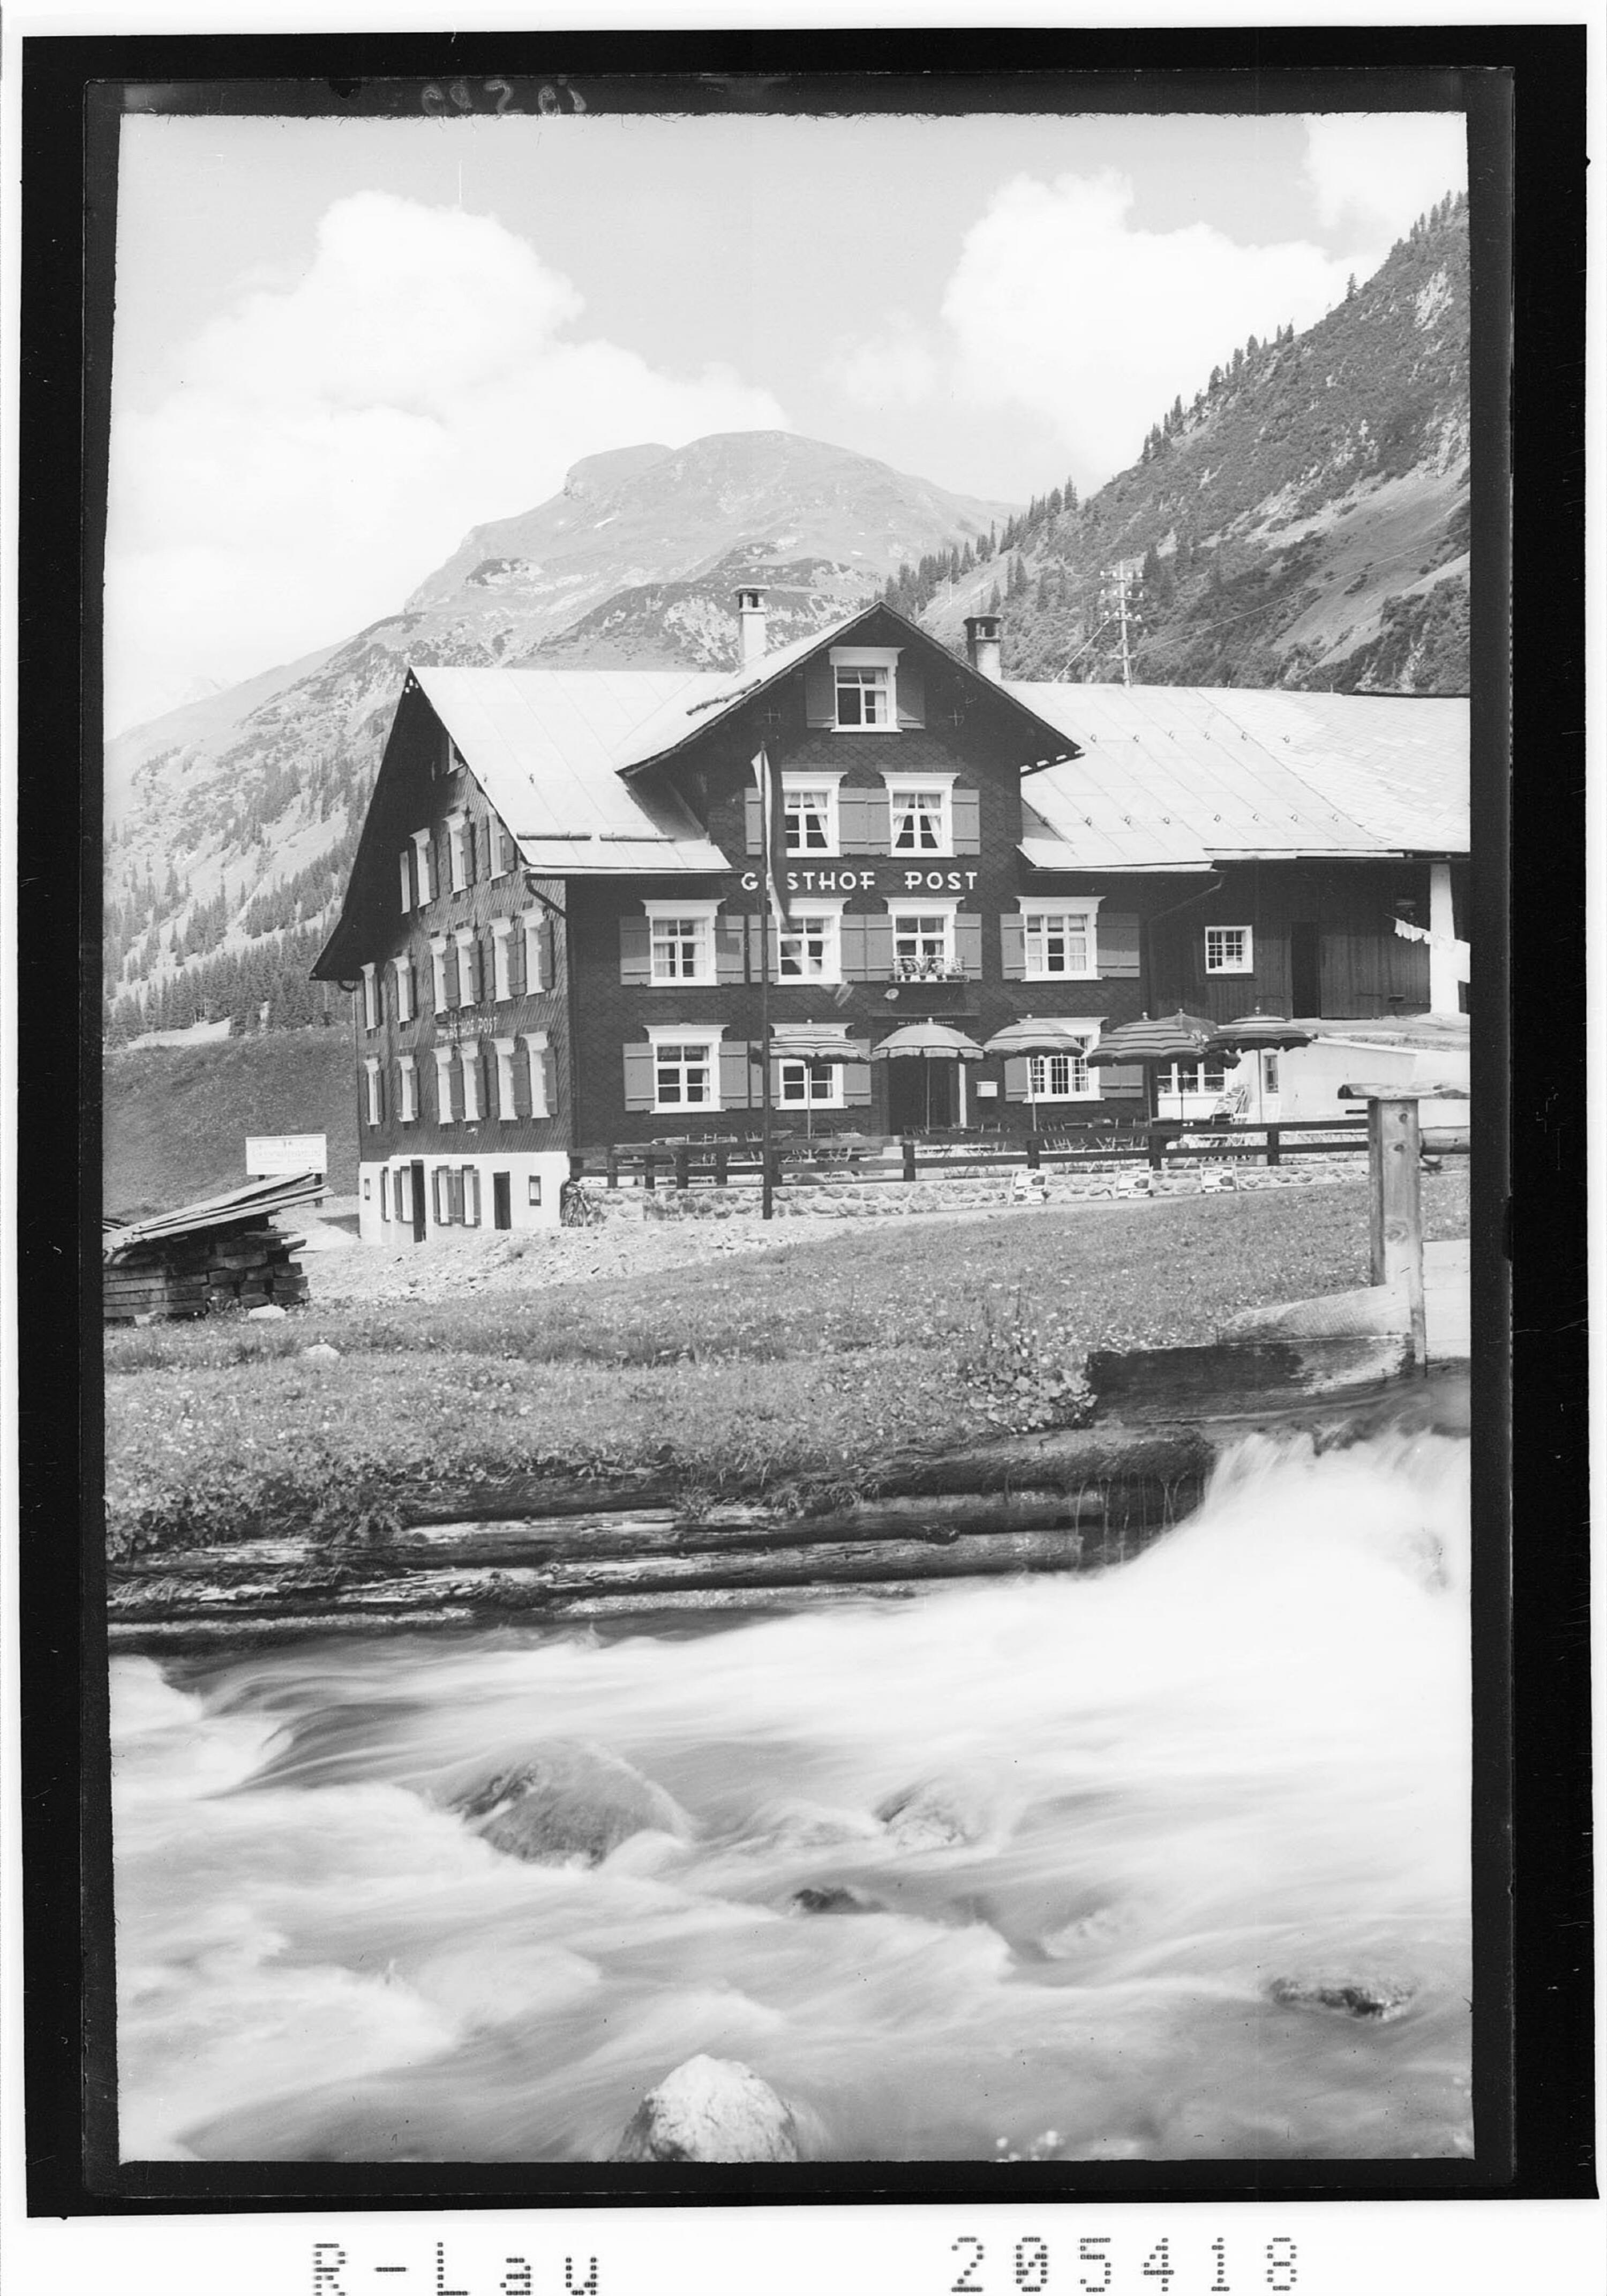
x=925, y=1040
x=813, y=1040
x=1022, y=1039
x=1256, y=1032
x=1150, y=1044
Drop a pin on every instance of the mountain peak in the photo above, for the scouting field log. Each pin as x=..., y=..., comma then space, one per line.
x=600, y=474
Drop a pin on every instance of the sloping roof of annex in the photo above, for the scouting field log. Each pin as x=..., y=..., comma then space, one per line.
x=1177, y=777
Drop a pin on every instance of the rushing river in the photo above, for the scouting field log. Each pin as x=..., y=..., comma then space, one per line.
x=1241, y=1757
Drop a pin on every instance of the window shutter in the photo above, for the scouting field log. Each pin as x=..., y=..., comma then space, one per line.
x=968, y=944
x=753, y=821
x=865, y=820
x=911, y=687
x=1017, y=1080
x=966, y=813
x=471, y=1197
x=407, y=862
x=1117, y=943
x=820, y=692
x=857, y=1076
x=468, y=852
x=736, y=1075
x=635, y=954
x=1119, y=1083
x=878, y=948
x=730, y=950
x=549, y=1083
x=756, y=947
x=638, y=1076
x=851, y=944
x=455, y=1196
x=1012, y=947
x=453, y=961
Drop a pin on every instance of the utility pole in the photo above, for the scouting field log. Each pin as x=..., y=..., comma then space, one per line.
x=1114, y=601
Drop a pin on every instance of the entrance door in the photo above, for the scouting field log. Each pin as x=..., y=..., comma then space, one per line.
x=1268, y=1104
x=415, y=1189
x=1305, y=973
x=920, y=1094
x=501, y=1200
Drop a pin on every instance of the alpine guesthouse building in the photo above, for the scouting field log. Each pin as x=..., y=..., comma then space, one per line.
x=552, y=922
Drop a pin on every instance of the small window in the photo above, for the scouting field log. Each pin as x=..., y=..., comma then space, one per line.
x=1059, y=943
x=425, y=863
x=402, y=966
x=457, y=850
x=443, y=1084
x=502, y=969
x=684, y=1075
x=407, y=1102
x=371, y=1077
x=536, y=1061
x=923, y=945
x=1227, y=948
x=534, y=1196
x=438, y=973
x=683, y=949
x=1186, y=1079
x=406, y=860
x=371, y=998
x=811, y=818
x=920, y=819
x=1063, y=1075
x=507, y=1106
x=468, y=968
x=367, y=1189
x=810, y=1084
x=807, y=947
x=468, y=1057
x=864, y=695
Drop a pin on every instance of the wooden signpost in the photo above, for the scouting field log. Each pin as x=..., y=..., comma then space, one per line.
x=1395, y=1208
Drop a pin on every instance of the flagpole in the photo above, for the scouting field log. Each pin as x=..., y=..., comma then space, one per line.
x=766, y=1192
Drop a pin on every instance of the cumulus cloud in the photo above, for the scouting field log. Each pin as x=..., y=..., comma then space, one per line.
x=1059, y=304
x=1370, y=173
x=896, y=368
x=323, y=445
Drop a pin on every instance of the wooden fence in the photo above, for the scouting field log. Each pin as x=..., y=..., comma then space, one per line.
x=868, y=1158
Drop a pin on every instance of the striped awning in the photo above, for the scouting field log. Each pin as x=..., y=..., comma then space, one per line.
x=1178, y=1036
x=927, y=1040
x=814, y=1040
x=1023, y=1037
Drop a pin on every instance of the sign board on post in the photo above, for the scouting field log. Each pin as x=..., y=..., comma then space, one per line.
x=286, y=1151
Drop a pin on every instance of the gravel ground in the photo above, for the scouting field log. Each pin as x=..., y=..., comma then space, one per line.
x=530, y=1262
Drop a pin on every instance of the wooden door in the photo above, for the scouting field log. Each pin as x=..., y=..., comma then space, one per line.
x=501, y=1200
x=1305, y=973
x=416, y=1190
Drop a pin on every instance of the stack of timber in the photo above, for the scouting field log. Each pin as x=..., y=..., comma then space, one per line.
x=222, y=1253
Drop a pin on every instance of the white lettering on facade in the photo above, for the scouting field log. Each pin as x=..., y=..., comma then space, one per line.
x=937, y=881
x=864, y=881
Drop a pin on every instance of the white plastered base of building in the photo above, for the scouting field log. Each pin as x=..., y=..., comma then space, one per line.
x=385, y=1195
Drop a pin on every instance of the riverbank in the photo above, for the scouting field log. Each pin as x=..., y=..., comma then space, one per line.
x=792, y=1371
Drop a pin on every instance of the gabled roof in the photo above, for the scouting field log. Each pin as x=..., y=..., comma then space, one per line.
x=1181, y=778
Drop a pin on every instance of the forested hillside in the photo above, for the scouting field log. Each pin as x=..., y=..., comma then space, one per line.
x=1301, y=521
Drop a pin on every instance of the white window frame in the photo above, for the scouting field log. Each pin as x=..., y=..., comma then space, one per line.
x=702, y=913
x=812, y=910
x=438, y=971
x=828, y=784
x=507, y=1092
x=408, y=1096
x=806, y=1062
x=1032, y=905
x=502, y=846
x=688, y=1032
x=402, y=966
x=406, y=860
x=457, y=824
x=371, y=1066
x=946, y=908
x=1203, y=1094
x=533, y=971
x=535, y=1042
x=501, y=960
x=1245, y=962
x=1039, y=1064
x=371, y=998
x=883, y=659
x=464, y=939
x=424, y=850
x=468, y=1062
x=444, y=1055
x=939, y=785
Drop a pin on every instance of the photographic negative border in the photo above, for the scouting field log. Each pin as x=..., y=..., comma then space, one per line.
x=1533, y=2081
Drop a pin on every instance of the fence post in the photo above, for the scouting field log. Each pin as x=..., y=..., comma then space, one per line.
x=722, y=1157
x=614, y=1167
x=908, y=1146
x=1394, y=1204
x=1274, y=1144
x=1157, y=1148
x=683, y=1168
x=1034, y=1149
x=648, y=1181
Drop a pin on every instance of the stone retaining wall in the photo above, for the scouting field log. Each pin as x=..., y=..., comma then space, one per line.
x=817, y=1198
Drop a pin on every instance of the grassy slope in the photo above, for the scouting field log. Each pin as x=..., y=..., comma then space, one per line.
x=814, y=1360
x=176, y=1117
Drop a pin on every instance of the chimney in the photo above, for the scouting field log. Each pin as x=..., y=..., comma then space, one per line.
x=983, y=642
x=750, y=614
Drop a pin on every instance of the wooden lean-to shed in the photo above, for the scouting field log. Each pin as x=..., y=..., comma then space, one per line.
x=222, y=1253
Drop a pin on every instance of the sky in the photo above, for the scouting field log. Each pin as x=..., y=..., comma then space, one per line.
x=341, y=344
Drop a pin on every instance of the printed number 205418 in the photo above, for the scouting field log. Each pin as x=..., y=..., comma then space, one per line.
x=1098, y=2266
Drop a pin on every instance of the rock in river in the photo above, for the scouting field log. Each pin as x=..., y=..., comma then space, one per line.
x=711, y=2109
x=1373, y=1999
x=569, y=1800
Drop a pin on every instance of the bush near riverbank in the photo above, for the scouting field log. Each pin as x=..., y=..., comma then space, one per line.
x=810, y=1360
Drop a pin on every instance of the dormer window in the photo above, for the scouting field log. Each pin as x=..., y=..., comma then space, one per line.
x=864, y=681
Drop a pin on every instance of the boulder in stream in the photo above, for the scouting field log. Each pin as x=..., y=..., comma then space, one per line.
x=927, y=1816
x=711, y=2109
x=569, y=1800
x=830, y=1898
x=1371, y=1999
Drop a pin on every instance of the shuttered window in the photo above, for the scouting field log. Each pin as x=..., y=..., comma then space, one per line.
x=507, y=1105
x=458, y=850
x=468, y=1059
x=1060, y=939
x=371, y=998
x=535, y=946
x=443, y=1084
x=438, y=973
x=407, y=1093
x=501, y=959
x=375, y=1109
x=538, y=1059
x=425, y=859
x=402, y=966
x=468, y=968
x=405, y=859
